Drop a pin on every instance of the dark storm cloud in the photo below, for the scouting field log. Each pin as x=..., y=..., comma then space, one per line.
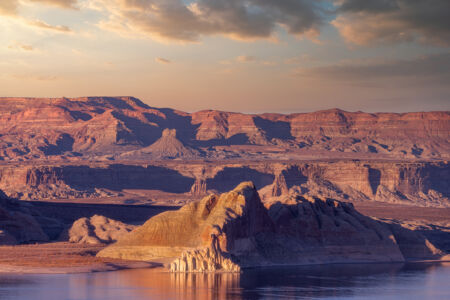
x=368, y=6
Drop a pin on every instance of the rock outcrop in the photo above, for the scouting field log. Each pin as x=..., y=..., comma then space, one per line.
x=233, y=230
x=168, y=146
x=208, y=232
x=17, y=225
x=97, y=230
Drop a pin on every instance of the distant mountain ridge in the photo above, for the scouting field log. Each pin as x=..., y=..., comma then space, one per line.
x=114, y=127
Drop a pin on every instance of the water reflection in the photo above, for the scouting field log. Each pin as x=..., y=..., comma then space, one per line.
x=395, y=281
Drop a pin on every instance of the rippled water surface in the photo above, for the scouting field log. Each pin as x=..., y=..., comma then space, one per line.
x=359, y=281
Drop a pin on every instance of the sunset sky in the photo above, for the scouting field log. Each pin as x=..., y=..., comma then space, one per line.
x=236, y=55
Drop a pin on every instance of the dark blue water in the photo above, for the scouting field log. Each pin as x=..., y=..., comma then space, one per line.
x=358, y=281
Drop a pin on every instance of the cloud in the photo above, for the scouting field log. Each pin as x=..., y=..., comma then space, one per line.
x=8, y=7
x=177, y=20
x=365, y=22
x=162, y=60
x=44, y=25
x=433, y=68
x=300, y=59
x=20, y=46
x=60, y=3
x=11, y=7
x=245, y=58
x=35, y=77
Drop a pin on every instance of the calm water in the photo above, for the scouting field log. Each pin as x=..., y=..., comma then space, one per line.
x=368, y=281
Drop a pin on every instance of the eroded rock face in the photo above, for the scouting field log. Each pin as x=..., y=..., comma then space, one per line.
x=235, y=230
x=17, y=225
x=166, y=147
x=208, y=259
x=210, y=231
x=97, y=230
x=95, y=127
x=410, y=183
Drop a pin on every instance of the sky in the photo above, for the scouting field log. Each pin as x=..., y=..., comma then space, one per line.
x=234, y=55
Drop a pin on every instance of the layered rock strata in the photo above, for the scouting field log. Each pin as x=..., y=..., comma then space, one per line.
x=412, y=183
x=235, y=230
x=106, y=127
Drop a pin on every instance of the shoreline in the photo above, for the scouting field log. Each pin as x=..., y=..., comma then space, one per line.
x=107, y=267
x=12, y=269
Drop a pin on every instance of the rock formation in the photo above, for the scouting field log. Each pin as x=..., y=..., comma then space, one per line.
x=166, y=147
x=101, y=127
x=96, y=147
x=97, y=230
x=410, y=183
x=17, y=225
x=233, y=230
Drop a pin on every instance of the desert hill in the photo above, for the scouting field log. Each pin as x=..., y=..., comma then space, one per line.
x=168, y=146
x=94, y=127
x=233, y=230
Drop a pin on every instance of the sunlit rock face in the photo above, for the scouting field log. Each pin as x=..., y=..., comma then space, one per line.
x=96, y=230
x=126, y=128
x=234, y=230
x=206, y=235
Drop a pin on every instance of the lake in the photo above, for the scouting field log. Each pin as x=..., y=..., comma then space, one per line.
x=354, y=281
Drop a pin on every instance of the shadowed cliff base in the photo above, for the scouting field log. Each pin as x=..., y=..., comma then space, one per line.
x=407, y=183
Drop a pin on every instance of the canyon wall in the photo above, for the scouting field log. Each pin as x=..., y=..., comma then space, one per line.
x=414, y=183
x=124, y=127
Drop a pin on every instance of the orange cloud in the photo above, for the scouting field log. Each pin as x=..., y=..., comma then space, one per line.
x=8, y=7
x=162, y=60
x=44, y=25
x=60, y=3
x=20, y=46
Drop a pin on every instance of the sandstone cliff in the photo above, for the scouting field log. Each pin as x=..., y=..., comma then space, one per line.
x=411, y=183
x=96, y=230
x=233, y=230
x=97, y=127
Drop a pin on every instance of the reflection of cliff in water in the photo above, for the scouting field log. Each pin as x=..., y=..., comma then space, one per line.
x=164, y=285
x=272, y=283
x=397, y=281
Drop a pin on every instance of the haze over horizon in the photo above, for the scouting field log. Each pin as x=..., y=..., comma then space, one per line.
x=233, y=55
